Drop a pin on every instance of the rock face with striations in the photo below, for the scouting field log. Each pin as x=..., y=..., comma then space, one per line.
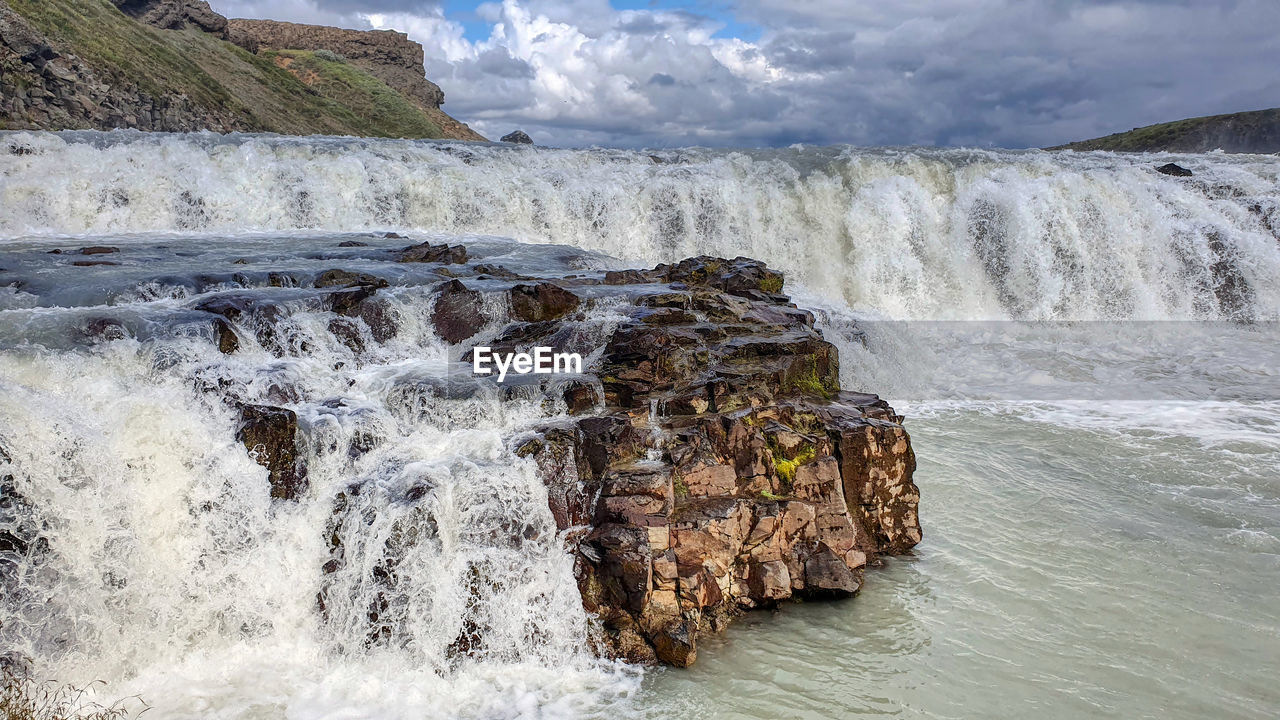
x=174, y=14
x=724, y=469
x=705, y=462
x=388, y=55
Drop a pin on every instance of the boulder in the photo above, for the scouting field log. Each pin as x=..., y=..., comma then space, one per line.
x=270, y=434
x=426, y=252
x=543, y=301
x=456, y=315
x=1174, y=170
x=518, y=137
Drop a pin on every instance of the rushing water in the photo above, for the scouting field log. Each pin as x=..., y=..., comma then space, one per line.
x=1086, y=351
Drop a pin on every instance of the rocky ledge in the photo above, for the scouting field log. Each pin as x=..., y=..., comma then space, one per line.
x=723, y=469
x=706, y=462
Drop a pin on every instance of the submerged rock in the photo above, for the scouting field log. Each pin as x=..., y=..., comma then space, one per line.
x=1174, y=170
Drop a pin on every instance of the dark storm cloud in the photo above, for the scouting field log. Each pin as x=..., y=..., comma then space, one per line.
x=1012, y=73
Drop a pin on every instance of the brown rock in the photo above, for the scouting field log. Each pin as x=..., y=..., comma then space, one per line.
x=428, y=253
x=540, y=302
x=456, y=315
x=271, y=436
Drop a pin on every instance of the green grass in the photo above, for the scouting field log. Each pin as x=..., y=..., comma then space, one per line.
x=389, y=112
x=1184, y=135
x=250, y=90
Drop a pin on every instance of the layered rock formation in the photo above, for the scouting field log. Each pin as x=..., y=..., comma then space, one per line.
x=709, y=462
x=388, y=55
x=724, y=469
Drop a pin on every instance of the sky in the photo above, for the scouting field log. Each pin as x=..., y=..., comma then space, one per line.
x=750, y=73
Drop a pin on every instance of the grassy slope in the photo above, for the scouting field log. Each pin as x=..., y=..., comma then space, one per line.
x=1191, y=135
x=214, y=74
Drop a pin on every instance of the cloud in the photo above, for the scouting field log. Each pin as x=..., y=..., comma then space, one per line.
x=1012, y=73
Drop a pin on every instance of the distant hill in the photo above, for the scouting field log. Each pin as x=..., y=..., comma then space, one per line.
x=1245, y=132
x=176, y=65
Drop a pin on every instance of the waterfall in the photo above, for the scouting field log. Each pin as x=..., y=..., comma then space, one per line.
x=909, y=234
x=421, y=573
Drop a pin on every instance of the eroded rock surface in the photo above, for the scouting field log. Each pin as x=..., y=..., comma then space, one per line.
x=725, y=469
x=705, y=462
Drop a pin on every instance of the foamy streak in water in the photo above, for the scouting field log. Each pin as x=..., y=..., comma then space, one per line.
x=917, y=234
x=171, y=574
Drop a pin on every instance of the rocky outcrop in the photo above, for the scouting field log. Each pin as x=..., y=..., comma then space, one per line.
x=388, y=55
x=724, y=469
x=1174, y=169
x=174, y=14
x=44, y=86
x=705, y=463
x=162, y=65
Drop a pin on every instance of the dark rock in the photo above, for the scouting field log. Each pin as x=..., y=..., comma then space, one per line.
x=228, y=342
x=253, y=312
x=426, y=252
x=518, y=137
x=352, y=243
x=456, y=315
x=544, y=301
x=1174, y=170
x=93, y=263
x=497, y=271
x=271, y=436
x=99, y=250
x=346, y=279
x=106, y=329
x=175, y=14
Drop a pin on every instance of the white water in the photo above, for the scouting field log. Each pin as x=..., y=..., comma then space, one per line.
x=1084, y=482
x=910, y=234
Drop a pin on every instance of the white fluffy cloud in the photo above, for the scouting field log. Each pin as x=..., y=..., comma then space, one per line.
x=1012, y=73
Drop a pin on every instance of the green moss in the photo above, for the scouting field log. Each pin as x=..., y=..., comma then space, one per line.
x=787, y=467
x=766, y=495
x=772, y=284
x=679, y=487
x=808, y=382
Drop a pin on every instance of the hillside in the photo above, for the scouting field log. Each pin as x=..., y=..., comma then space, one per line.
x=169, y=66
x=1245, y=132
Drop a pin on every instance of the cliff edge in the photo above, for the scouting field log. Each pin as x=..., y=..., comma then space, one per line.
x=171, y=65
